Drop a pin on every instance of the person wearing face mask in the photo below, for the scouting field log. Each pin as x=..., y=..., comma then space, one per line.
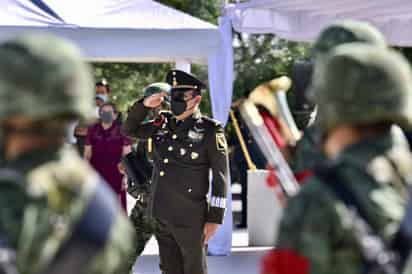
x=186, y=147
x=78, y=137
x=105, y=145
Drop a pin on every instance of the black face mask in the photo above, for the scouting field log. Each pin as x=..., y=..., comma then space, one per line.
x=178, y=107
x=106, y=117
x=178, y=103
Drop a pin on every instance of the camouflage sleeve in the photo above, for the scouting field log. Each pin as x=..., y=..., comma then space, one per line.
x=118, y=251
x=306, y=228
x=217, y=151
x=134, y=125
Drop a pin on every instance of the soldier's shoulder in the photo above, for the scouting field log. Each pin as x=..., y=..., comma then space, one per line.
x=211, y=123
x=65, y=177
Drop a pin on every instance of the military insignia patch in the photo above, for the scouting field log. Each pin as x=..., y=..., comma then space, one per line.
x=221, y=142
x=195, y=136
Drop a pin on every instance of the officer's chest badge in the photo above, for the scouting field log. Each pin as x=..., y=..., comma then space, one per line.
x=195, y=134
x=162, y=132
x=194, y=155
x=182, y=151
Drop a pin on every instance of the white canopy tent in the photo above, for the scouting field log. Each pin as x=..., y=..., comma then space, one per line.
x=126, y=31
x=115, y=30
x=302, y=20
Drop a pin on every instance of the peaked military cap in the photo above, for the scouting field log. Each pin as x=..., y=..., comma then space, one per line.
x=184, y=81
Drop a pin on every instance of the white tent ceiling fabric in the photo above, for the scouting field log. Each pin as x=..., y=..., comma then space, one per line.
x=116, y=30
x=130, y=31
x=302, y=20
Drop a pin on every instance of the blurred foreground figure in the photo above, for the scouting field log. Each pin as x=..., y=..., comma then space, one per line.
x=346, y=217
x=308, y=150
x=56, y=213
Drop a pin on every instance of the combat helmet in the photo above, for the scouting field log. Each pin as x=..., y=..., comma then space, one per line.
x=347, y=31
x=364, y=84
x=339, y=33
x=43, y=77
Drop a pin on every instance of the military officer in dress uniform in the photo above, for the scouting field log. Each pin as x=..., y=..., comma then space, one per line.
x=186, y=146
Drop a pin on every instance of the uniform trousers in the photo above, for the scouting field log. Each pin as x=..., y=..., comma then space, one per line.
x=181, y=248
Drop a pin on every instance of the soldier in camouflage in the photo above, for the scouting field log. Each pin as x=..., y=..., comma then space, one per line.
x=56, y=214
x=144, y=224
x=307, y=152
x=362, y=92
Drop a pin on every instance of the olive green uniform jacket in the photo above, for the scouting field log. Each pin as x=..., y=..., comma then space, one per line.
x=183, y=156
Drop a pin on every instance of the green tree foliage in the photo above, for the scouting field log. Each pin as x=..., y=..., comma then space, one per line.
x=260, y=58
x=207, y=10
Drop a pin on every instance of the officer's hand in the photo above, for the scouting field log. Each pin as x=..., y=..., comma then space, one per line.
x=208, y=231
x=154, y=100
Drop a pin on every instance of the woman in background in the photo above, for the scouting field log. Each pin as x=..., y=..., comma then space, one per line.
x=105, y=145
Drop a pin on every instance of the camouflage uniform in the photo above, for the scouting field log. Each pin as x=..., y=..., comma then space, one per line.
x=307, y=153
x=361, y=85
x=144, y=224
x=56, y=213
